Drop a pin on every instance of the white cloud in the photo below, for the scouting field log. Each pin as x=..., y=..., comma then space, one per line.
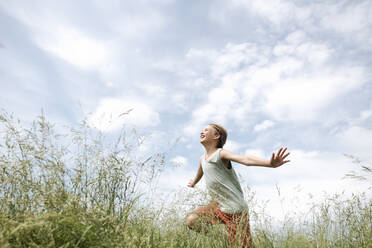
x=110, y=114
x=153, y=89
x=64, y=30
x=76, y=48
x=361, y=119
x=275, y=11
x=315, y=54
x=232, y=145
x=179, y=161
x=348, y=19
x=355, y=140
x=152, y=141
x=233, y=56
x=221, y=96
x=296, y=84
x=302, y=98
x=263, y=125
x=175, y=178
x=200, y=117
x=53, y=34
x=296, y=37
x=133, y=22
x=205, y=55
x=255, y=152
x=352, y=21
x=365, y=115
x=216, y=110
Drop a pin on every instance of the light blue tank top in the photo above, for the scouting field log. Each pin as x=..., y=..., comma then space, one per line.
x=223, y=185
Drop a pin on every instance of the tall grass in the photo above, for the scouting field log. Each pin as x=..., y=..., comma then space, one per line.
x=75, y=189
x=84, y=189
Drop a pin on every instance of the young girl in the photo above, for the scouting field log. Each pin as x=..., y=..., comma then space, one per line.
x=228, y=205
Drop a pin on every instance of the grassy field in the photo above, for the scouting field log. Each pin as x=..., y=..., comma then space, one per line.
x=82, y=189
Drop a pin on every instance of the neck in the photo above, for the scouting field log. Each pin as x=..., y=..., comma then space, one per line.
x=210, y=148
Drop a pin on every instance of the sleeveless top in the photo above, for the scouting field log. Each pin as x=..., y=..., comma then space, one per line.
x=223, y=185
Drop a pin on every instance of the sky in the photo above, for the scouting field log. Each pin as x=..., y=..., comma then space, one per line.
x=274, y=73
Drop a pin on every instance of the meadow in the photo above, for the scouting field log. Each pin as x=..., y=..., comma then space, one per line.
x=76, y=187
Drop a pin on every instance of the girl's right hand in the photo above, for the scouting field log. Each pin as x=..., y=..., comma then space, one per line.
x=191, y=184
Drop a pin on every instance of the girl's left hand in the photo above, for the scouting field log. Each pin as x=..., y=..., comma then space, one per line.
x=278, y=159
x=191, y=184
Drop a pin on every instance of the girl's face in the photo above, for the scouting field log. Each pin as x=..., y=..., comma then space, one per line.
x=208, y=134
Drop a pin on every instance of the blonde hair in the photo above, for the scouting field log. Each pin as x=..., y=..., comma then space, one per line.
x=220, y=130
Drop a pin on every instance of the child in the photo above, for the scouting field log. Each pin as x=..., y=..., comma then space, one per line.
x=227, y=205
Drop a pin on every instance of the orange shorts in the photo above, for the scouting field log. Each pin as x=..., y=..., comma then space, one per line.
x=237, y=224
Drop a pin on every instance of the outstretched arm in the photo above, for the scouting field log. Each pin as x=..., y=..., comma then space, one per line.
x=198, y=176
x=249, y=160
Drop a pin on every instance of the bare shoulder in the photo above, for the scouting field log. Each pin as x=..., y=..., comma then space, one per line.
x=201, y=158
x=225, y=154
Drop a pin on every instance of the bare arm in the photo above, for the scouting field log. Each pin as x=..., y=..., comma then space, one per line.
x=198, y=176
x=249, y=160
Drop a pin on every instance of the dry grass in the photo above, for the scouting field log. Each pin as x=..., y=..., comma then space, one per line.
x=82, y=189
